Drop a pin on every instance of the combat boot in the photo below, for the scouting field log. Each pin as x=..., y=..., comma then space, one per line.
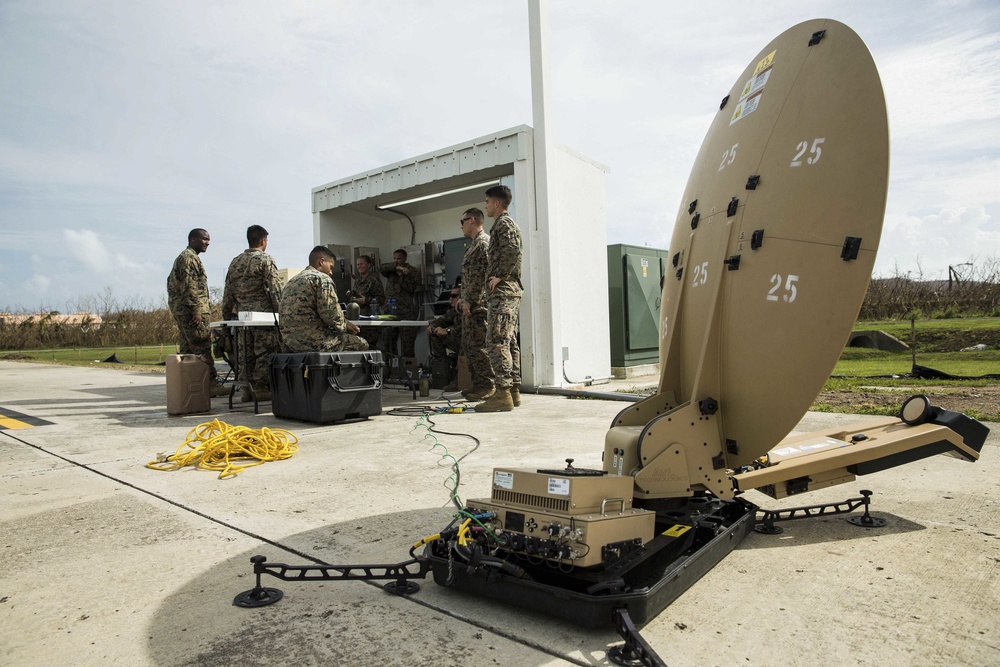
x=515, y=395
x=478, y=393
x=499, y=402
x=218, y=390
x=246, y=396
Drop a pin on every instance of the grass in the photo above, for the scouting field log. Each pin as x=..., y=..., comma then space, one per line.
x=859, y=363
x=148, y=355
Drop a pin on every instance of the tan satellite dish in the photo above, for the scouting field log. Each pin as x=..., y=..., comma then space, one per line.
x=772, y=251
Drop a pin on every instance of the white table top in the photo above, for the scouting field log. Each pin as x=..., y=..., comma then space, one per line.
x=360, y=323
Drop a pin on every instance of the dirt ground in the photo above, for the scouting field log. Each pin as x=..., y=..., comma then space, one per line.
x=984, y=401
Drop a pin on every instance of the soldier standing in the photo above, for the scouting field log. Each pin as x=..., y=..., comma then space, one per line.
x=474, y=305
x=311, y=318
x=367, y=286
x=187, y=298
x=252, y=284
x=402, y=283
x=504, y=285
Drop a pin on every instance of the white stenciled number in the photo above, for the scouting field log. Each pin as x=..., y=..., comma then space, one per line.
x=700, y=274
x=788, y=295
x=727, y=157
x=815, y=150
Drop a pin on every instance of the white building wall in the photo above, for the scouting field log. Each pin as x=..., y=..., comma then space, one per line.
x=583, y=266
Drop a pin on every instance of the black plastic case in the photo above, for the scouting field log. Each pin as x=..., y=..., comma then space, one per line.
x=326, y=387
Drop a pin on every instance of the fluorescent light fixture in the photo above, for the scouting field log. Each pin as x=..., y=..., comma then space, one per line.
x=437, y=194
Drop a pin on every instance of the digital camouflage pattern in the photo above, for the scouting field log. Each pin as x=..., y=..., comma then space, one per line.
x=501, y=340
x=474, y=291
x=505, y=256
x=474, y=265
x=475, y=351
x=311, y=318
x=402, y=287
x=505, y=252
x=187, y=284
x=187, y=296
x=369, y=287
x=439, y=345
x=252, y=284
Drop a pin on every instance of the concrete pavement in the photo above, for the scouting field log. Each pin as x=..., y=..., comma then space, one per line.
x=108, y=562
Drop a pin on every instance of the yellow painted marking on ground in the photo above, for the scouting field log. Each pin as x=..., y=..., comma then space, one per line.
x=11, y=423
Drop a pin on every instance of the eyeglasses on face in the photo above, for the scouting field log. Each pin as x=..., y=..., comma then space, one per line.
x=464, y=220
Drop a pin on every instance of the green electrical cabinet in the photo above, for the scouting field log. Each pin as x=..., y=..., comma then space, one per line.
x=634, y=286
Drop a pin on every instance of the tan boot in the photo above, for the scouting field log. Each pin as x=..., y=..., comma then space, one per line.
x=498, y=402
x=246, y=396
x=515, y=396
x=217, y=389
x=479, y=393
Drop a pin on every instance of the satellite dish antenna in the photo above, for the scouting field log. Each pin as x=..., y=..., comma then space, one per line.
x=772, y=252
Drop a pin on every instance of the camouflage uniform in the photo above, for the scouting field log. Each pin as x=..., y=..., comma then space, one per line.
x=252, y=284
x=439, y=345
x=505, y=300
x=474, y=288
x=311, y=318
x=187, y=296
x=369, y=287
x=403, y=289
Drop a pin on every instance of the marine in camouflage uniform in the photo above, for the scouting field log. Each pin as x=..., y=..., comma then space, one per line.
x=445, y=332
x=504, y=287
x=367, y=286
x=474, y=301
x=252, y=284
x=311, y=318
x=187, y=298
x=504, y=301
x=402, y=283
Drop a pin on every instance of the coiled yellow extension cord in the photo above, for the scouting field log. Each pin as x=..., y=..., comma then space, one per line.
x=217, y=446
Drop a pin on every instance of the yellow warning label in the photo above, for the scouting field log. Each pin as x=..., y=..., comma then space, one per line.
x=676, y=530
x=766, y=62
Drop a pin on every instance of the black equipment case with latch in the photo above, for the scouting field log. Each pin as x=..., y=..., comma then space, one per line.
x=327, y=387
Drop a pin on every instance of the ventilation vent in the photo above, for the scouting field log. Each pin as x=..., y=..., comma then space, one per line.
x=528, y=500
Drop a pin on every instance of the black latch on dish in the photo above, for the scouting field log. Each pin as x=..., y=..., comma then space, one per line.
x=733, y=205
x=816, y=37
x=677, y=258
x=692, y=206
x=852, y=244
x=757, y=239
x=694, y=220
x=753, y=181
x=798, y=485
x=718, y=462
x=680, y=272
x=732, y=447
x=733, y=263
x=708, y=406
x=722, y=105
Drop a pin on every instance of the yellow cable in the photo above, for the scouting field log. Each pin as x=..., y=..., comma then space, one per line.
x=463, y=529
x=218, y=446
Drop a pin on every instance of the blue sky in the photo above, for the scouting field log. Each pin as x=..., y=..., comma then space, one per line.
x=125, y=124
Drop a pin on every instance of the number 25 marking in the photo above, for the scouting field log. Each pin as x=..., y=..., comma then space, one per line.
x=700, y=274
x=789, y=293
x=728, y=157
x=814, y=152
